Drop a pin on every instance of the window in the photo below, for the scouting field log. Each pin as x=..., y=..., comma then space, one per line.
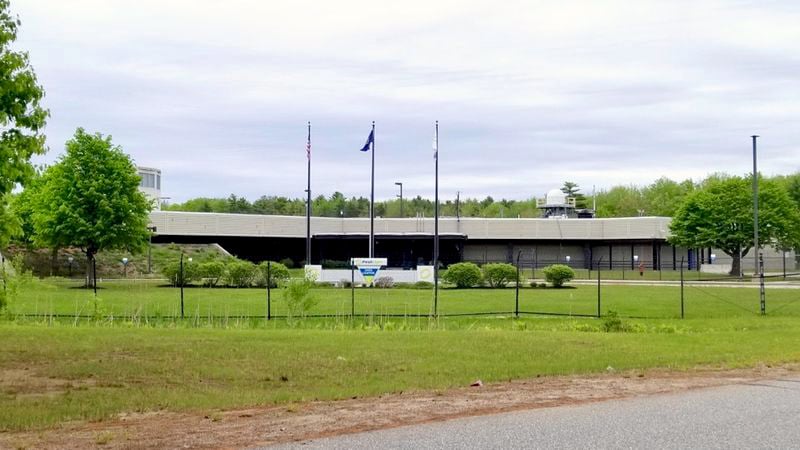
x=148, y=180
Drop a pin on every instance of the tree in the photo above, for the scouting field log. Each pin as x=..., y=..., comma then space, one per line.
x=21, y=118
x=572, y=190
x=720, y=215
x=90, y=199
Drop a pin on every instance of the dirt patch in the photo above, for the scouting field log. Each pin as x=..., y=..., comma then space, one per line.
x=26, y=383
x=295, y=422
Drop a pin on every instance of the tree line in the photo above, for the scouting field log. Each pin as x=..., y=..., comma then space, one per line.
x=660, y=198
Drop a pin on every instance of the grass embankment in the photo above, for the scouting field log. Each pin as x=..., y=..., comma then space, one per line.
x=62, y=373
x=147, y=299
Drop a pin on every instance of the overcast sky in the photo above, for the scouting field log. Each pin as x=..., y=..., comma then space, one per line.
x=528, y=93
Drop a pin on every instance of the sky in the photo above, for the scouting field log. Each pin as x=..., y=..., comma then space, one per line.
x=528, y=94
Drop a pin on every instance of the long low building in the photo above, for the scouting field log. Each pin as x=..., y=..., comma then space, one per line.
x=613, y=242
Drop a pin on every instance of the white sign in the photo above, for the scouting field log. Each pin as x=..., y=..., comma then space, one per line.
x=425, y=273
x=369, y=267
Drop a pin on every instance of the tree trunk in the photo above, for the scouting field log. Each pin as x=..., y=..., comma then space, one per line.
x=736, y=265
x=90, y=279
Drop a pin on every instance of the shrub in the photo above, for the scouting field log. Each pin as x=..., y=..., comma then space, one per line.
x=241, y=273
x=172, y=272
x=287, y=262
x=297, y=294
x=462, y=275
x=558, y=274
x=384, y=282
x=211, y=272
x=498, y=274
x=278, y=274
x=345, y=283
x=613, y=324
x=334, y=264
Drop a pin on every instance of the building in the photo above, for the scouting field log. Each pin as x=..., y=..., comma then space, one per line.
x=150, y=185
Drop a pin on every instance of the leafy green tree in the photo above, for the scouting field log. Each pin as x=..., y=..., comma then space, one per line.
x=664, y=196
x=621, y=201
x=22, y=119
x=720, y=215
x=90, y=199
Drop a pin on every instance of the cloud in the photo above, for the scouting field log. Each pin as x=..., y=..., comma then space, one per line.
x=528, y=94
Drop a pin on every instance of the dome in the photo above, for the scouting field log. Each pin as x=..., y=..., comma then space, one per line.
x=555, y=197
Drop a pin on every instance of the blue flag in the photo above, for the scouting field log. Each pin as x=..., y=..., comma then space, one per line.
x=370, y=140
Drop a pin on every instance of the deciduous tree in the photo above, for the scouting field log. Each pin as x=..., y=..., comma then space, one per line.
x=21, y=118
x=90, y=199
x=720, y=215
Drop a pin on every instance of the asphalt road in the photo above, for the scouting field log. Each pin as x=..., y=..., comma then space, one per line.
x=763, y=414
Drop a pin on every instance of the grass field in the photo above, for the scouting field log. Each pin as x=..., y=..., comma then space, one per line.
x=149, y=299
x=54, y=370
x=55, y=374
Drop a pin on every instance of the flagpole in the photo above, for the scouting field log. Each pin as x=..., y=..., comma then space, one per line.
x=308, y=200
x=372, y=199
x=436, y=231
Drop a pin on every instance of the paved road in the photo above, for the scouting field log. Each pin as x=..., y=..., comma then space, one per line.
x=755, y=415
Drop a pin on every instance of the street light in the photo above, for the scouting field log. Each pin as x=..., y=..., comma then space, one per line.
x=401, y=197
x=71, y=260
x=150, y=249
x=568, y=258
x=125, y=267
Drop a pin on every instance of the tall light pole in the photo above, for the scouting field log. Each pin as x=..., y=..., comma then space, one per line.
x=755, y=203
x=401, y=197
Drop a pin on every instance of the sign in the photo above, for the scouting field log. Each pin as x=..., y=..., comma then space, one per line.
x=425, y=273
x=369, y=267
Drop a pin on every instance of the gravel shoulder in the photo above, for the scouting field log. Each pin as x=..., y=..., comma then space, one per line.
x=296, y=422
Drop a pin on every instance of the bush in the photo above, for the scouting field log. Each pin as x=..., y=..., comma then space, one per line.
x=172, y=272
x=462, y=275
x=211, y=272
x=613, y=324
x=241, y=273
x=278, y=274
x=297, y=294
x=384, y=282
x=558, y=274
x=287, y=262
x=345, y=283
x=334, y=264
x=498, y=274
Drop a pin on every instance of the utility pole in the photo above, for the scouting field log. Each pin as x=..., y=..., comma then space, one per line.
x=755, y=204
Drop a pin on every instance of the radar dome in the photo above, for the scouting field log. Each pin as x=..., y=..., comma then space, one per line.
x=555, y=197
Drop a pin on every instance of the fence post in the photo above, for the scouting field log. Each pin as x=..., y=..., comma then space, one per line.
x=762, y=294
x=352, y=290
x=181, y=281
x=682, y=310
x=516, y=304
x=269, y=290
x=94, y=274
x=598, y=287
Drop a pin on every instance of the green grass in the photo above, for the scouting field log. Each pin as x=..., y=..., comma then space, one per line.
x=149, y=299
x=54, y=370
x=95, y=372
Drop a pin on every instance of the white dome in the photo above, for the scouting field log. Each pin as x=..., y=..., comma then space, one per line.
x=555, y=197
